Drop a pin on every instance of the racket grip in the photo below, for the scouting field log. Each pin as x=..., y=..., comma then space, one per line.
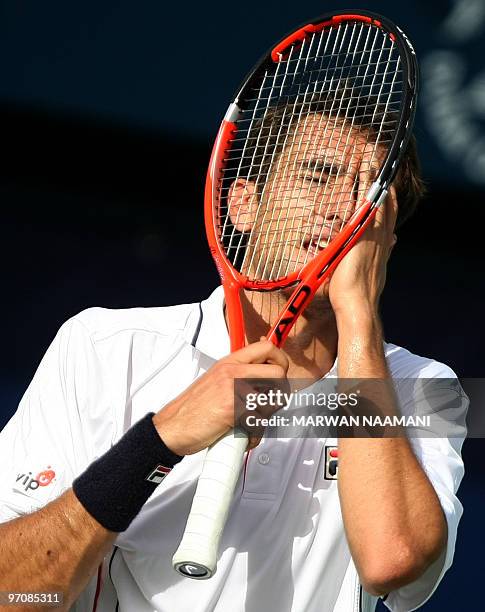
x=196, y=556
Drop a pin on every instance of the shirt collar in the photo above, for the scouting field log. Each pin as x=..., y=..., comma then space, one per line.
x=213, y=337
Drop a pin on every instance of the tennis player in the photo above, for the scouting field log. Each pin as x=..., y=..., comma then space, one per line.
x=100, y=462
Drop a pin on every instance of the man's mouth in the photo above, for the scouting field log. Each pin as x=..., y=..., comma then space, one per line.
x=315, y=246
x=318, y=240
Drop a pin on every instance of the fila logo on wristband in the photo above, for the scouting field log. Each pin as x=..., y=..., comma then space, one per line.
x=331, y=463
x=158, y=474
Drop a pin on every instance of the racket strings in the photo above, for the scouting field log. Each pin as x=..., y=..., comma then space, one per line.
x=343, y=108
x=260, y=90
x=340, y=136
x=308, y=147
x=371, y=114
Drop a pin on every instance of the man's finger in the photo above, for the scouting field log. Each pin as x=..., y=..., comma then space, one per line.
x=252, y=427
x=263, y=351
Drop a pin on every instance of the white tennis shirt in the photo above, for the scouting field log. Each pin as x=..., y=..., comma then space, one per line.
x=284, y=546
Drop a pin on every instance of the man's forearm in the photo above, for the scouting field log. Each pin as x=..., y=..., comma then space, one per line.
x=57, y=548
x=392, y=516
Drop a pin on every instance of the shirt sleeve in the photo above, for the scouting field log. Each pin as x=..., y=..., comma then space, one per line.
x=439, y=453
x=50, y=440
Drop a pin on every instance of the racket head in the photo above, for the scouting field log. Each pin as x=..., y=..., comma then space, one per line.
x=287, y=184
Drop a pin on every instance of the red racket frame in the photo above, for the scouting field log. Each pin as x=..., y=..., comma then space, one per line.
x=311, y=276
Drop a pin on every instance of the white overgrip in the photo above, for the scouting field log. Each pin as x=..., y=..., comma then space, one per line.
x=196, y=557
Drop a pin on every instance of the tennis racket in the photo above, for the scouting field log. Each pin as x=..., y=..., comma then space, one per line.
x=303, y=159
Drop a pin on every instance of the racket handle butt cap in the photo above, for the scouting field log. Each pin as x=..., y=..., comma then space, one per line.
x=191, y=569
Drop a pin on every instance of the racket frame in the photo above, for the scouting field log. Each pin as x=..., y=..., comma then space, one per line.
x=308, y=279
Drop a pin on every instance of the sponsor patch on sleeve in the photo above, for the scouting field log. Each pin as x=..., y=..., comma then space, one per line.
x=39, y=484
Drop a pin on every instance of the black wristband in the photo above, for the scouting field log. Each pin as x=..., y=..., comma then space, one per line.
x=114, y=488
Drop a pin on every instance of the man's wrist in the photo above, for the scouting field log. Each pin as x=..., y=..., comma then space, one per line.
x=359, y=317
x=115, y=486
x=162, y=423
x=360, y=342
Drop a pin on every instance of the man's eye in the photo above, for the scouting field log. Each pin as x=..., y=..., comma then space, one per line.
x=318, y=179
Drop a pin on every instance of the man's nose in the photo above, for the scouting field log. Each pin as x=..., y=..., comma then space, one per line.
x=336, y=202
x=325, y=209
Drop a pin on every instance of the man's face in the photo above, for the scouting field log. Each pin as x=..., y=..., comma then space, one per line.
x=312, y=189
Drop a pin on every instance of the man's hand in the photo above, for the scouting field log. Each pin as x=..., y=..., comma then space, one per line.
x=359, y=278
x=205, y=411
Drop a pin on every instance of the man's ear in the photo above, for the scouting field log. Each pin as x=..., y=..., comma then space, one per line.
x=242, y=204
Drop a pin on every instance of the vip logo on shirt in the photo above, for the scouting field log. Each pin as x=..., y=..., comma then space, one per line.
x=28, y=482
x=331, y=463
